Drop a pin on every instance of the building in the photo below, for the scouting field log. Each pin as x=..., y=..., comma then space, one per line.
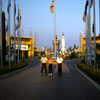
x=78, y=51
x=37, y=52
x=57, y=45
x=83, y=43
x=27, y=49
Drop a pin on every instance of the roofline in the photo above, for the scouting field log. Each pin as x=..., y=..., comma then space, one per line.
x=21, y=36
x=92, y=36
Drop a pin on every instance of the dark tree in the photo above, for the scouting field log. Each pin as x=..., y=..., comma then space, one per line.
x=3, y=39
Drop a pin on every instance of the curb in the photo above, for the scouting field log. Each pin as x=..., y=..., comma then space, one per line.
x=14, y=72
x=97, y=86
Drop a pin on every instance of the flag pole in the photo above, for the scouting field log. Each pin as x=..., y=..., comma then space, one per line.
x=94, y=32
x=18, y=34
x=89, y=35
x=86, y=32
x=55, y=26
x=9, y=29
x=14, y=35
x=1, y=28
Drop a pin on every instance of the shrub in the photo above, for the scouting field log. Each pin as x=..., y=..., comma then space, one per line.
x=6, y=69
x=91, y=71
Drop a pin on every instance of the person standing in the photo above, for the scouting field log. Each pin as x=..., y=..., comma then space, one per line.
x=43, y=64
x=59, y=63
x=50, y=62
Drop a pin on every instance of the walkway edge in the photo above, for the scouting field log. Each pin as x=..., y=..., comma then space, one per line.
x=88, y=78
x=14, y=72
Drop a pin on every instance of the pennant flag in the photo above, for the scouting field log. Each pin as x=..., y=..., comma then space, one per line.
x=9, y=5
x=18, y=18
x=18, y=15
x=85, y=12
x=86, y=7
x=91, y=4
x=93, y=28
x=6, y=26
x=84, y=16
x=14, y=7
x=52, y=7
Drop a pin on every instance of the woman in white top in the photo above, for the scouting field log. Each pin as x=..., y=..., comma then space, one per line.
x=43, y=64
x=59, y=63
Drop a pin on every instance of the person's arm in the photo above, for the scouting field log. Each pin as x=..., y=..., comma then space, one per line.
x=62, y=64
x=40, y=63
x=52, y=62
x=46, y=62
x=56, y=63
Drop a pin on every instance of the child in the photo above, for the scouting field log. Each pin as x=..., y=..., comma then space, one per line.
x=59, y=63
x=50, y=62
x=43, y=64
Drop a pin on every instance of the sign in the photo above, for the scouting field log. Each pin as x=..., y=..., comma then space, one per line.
x=23, y=47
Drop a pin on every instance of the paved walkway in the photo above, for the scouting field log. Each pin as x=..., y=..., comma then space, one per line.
x=29, y=85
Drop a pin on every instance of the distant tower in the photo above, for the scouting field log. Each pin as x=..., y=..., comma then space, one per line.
x=30, y=32
x=35, y=39
x=80, y=37
x=63, y=50
x=22, y=31
x=57, y=44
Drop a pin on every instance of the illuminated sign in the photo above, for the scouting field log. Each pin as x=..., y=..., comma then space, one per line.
x=23, y=47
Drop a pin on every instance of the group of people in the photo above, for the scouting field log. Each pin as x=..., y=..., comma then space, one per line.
x=48, y=64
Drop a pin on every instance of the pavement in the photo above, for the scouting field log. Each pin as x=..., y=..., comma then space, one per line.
x=29, y=85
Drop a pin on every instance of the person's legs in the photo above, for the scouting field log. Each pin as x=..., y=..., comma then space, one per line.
x=45, y=68
x=42, y=69
x=49, y=68
x=59, y=69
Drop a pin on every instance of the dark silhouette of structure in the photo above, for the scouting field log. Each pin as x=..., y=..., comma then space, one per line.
x=3, y=39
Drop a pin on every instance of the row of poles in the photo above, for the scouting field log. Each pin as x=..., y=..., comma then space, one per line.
x=90, y=53
x=16, y=28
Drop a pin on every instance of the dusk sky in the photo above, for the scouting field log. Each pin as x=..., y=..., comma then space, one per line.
x=36, y=14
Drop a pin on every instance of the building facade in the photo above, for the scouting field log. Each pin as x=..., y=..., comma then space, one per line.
x=83, y=43
x=27, y=50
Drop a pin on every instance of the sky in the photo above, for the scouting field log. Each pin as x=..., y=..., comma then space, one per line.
x=36, y=16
